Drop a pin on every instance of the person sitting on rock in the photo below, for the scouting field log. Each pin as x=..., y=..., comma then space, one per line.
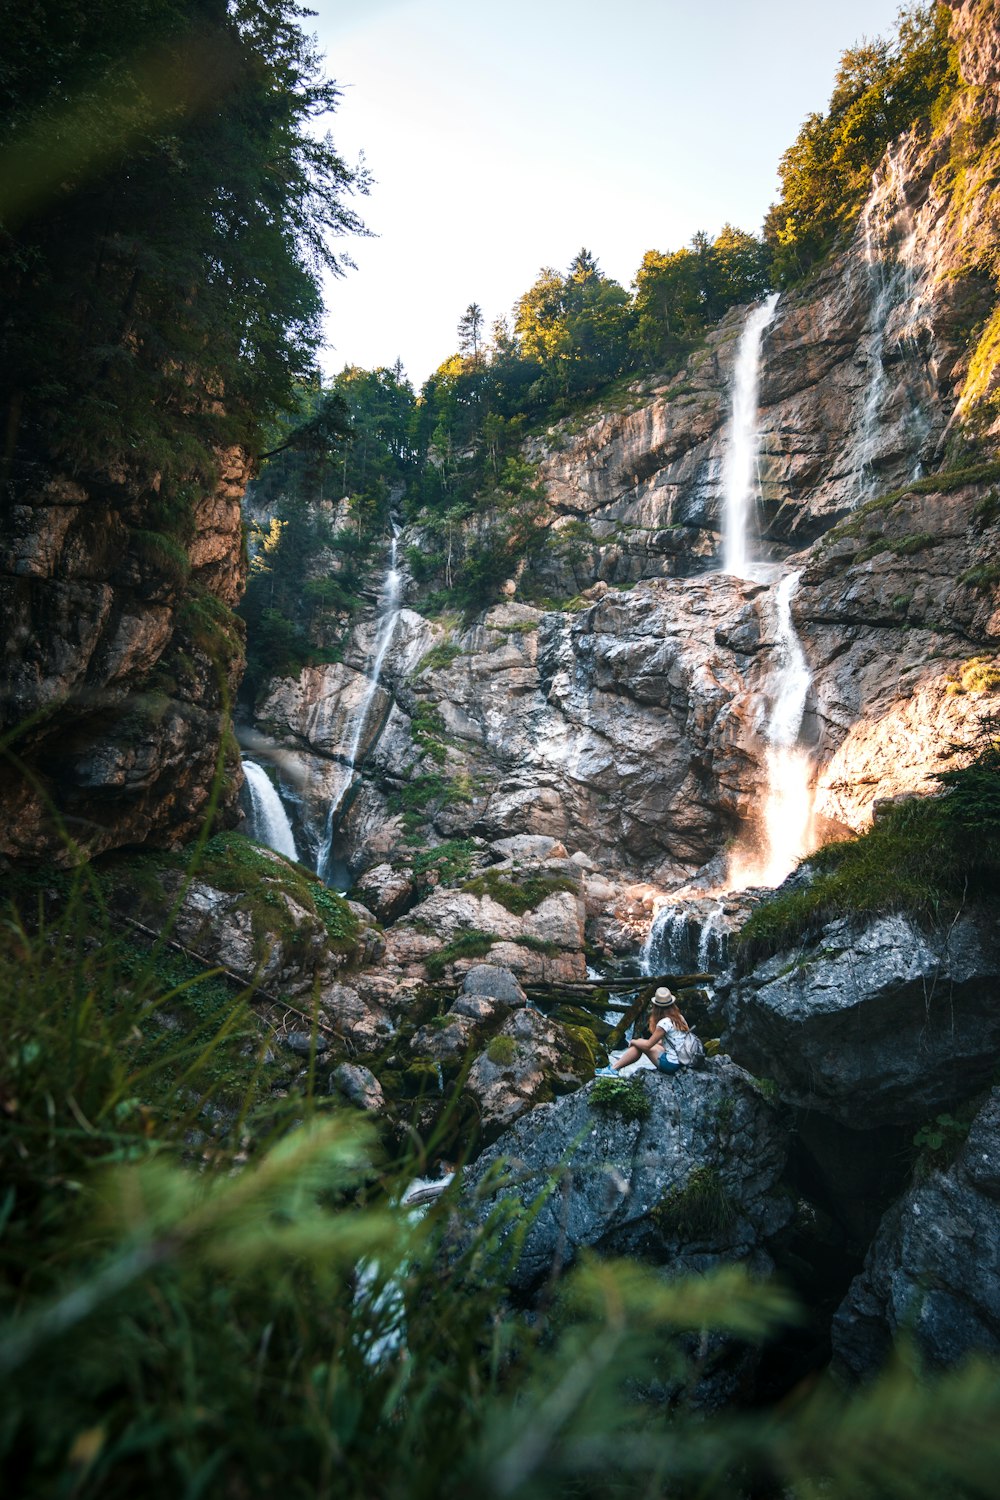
x=664, y=1016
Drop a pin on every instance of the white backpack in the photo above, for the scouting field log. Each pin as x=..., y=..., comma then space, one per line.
x=686, y=1047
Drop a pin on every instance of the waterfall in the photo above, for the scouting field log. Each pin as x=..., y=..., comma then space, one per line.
x=899, y=296
x=787, y=812
x=712, y=939
x=268, y=820
x=739, y=468
x=390, y=595
x=667, y=944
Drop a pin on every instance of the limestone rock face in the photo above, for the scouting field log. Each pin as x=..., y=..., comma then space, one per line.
x=873, y=1025
x=119, y=654
x=693, y=1184
x=933, y=1270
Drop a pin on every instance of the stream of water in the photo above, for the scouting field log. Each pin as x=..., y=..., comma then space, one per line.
x=740, y=482
x=268, y=820
x=389, y=610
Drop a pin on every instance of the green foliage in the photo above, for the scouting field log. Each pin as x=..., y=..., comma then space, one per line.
x=521, y=893
x=881, y=88
x=185, y=1299
x=899, y=546
x=926, y=856
x=162, y=553
x=680, y=295
x=940, y=1137
x=502, y=1051
x=982, y=576
x=700, y=1209
x=451, y=861
x=167, y=210
x=980, y=674
x=472, y=943
x=625, y=1097
x=437, y=658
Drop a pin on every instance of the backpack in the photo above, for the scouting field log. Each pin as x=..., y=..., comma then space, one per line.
x=686, y=1047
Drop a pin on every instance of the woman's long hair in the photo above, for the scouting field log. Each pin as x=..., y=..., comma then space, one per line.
x=673, y=1012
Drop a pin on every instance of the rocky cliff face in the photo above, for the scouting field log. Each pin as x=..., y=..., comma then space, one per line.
x=632, y=724
x=121, y=658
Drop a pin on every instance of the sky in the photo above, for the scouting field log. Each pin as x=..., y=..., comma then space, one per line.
x=504, y=135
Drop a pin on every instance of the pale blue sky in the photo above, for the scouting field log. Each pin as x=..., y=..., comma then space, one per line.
x=505, y=134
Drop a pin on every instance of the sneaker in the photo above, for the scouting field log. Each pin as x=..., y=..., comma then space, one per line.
x=606, y=1072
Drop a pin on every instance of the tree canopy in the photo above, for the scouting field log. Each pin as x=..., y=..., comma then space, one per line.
x=880, y=90
x=165, y=211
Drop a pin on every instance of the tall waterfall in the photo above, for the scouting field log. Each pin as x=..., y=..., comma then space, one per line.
x=787, y=812
x=739, y=468
x=268, y=820
x=389, y=595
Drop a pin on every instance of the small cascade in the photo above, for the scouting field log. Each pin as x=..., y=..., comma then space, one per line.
x=390, y=595
x=740, y=482
x=712, y=940
x=899, y=302
x=787, y=812
x=668, y=943
x=268, y=820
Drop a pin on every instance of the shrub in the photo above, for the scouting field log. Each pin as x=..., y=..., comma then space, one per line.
x=473, y=943
x=701, y=1209
x=520, y=895
x=625, y=1097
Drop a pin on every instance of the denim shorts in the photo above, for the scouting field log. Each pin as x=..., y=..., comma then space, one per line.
x=667, y=1064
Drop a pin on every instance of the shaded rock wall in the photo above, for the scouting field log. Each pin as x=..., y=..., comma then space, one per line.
x=121, y=657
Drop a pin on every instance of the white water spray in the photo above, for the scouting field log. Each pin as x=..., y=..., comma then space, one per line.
x=739, y=468
x=787, y=812
x=390, y=608
x=268, y=820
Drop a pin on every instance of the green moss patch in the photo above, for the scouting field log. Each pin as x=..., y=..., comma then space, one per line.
x=625, y=1097
x=522, y=895
x=473, y=943
x=502, y=1051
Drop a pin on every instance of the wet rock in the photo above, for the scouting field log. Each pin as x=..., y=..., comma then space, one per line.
x=360, y=1086
x=932, y=1274
x=873, y=1024
x=694, y=1183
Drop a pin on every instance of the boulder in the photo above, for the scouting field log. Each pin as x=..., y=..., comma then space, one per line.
x=387, y=892
x=497, y=983
x=525, y=1063
x=693, y=1182
x=873, y=1024
x=360, y=1086
x=932, y=1274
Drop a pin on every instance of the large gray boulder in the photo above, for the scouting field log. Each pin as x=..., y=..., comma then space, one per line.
x=933, y=1270
x=693, y=1183
x=873, y=1024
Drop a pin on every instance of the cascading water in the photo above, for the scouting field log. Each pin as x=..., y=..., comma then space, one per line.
x=787, y=812
x=390, y=595
x=788, y=801
x=268, y=820
x=667, y=944
x=739, y=468
x=899, y=302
